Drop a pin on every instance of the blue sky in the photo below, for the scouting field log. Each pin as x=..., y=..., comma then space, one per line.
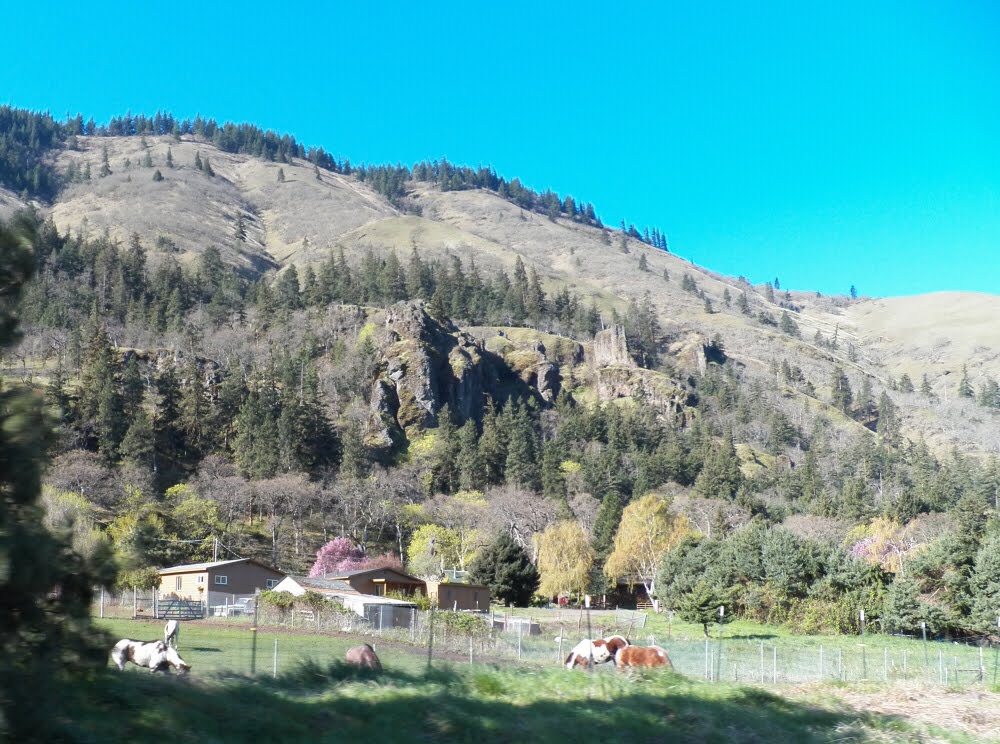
x=853, y=143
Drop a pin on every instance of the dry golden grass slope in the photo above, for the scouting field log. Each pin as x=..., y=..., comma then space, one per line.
x=302, y=218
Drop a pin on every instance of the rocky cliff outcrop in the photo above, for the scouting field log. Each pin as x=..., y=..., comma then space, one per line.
x=611, y=347
x=427, y=364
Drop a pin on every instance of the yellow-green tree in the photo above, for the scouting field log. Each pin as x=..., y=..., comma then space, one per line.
x=646, y=532
x=432, y=549
x=565, y=558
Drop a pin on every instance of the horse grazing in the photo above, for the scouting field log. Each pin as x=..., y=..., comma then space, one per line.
x=157, y=656
x=642, y=656
x=170, y=631
x=364, y=656
x=599, y=651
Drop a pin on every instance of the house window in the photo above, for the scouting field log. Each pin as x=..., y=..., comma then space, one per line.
x=177, y=582
x=201, y=579
x=271, y=583
x=220, y=579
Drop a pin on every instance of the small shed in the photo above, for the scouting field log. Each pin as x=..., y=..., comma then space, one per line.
x=218, y=580
x=380, y=612
x=449, y=595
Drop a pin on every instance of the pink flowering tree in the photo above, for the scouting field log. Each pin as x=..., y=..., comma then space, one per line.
x=341, y=554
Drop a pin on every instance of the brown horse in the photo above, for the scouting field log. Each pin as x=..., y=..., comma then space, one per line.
x=642, y=656
x=600, y=651
x=364, y=656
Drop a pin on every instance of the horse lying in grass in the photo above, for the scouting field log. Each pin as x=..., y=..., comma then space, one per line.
x=364, y=656
x=599, y=651
x=157, y=656
x=642, y=656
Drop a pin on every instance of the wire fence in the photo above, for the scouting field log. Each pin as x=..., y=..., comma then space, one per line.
x=253, y=638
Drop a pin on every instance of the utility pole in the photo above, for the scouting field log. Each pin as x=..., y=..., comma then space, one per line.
x=215, y=549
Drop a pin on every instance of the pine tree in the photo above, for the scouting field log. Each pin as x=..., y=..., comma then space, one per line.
x=606, y=523
x=47, y=585
x=841, y=396
x=504, y=566
x=471, y=464
x=105, y=165
x=787, y=325
x=240, y=230
x=643, y=264
x=256, y=428
x=964, y=386
x=170, y=157
x=446, y=452
x=905, y=383
x=493, y=445
x=720, y=475
x=521, y=467
x=701, y=605
x=743, y=303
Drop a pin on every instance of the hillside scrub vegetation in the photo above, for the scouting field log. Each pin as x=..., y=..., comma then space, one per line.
x=414, y=404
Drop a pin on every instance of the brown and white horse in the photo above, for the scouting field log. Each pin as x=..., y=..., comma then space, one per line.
x=642, y=656
x=599, y=651
x=157, y=656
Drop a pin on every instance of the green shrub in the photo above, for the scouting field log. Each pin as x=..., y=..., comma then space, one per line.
x=464, y=623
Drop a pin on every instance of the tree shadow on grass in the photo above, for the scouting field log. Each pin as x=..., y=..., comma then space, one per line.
x=750, y=637
x=326, y=703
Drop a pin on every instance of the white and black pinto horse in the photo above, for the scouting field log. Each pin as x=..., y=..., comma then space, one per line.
x=157, y=656
x=598, y=651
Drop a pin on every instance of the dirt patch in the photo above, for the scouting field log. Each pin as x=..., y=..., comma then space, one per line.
x=971, y=712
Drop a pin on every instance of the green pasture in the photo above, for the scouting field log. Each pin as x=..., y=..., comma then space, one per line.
x=322, y=699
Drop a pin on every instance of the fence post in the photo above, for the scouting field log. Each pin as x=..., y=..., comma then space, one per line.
x=413, y=623
x=274, y=673
x=762, y=662
x=885, y=663
x=840, y=663
x=904, y=663
x=134, y=603
x=708, y=674
x=520, y=629
x=940, y=667
x=821, y=662
x=774, y=668
x=982, y=668
x=470, y=649
x=923, y=632
x=253, y=631
x=102, y=601
x=430, y=639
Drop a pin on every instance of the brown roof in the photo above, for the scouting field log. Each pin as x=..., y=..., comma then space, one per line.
x=351, y=574
x=193, y=567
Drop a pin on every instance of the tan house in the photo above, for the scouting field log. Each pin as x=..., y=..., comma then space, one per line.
x=200, y=581
x=380, y=581
x=451, y=596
